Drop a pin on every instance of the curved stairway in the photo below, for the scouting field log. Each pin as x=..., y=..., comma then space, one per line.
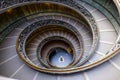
x=11, y=66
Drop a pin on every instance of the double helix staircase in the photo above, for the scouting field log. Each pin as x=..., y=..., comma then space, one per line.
x=13, y=67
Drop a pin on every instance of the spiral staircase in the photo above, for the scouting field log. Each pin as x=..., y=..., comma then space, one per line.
x=32, y=31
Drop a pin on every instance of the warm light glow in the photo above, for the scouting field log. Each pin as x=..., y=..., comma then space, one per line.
x=47, y=3
x=9, y=10
x=69, y=50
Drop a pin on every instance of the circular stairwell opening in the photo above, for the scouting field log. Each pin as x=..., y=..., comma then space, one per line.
x=60, y=24
x=59, y=57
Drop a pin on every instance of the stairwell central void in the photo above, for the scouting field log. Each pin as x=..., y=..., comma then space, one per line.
x=60, y=57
